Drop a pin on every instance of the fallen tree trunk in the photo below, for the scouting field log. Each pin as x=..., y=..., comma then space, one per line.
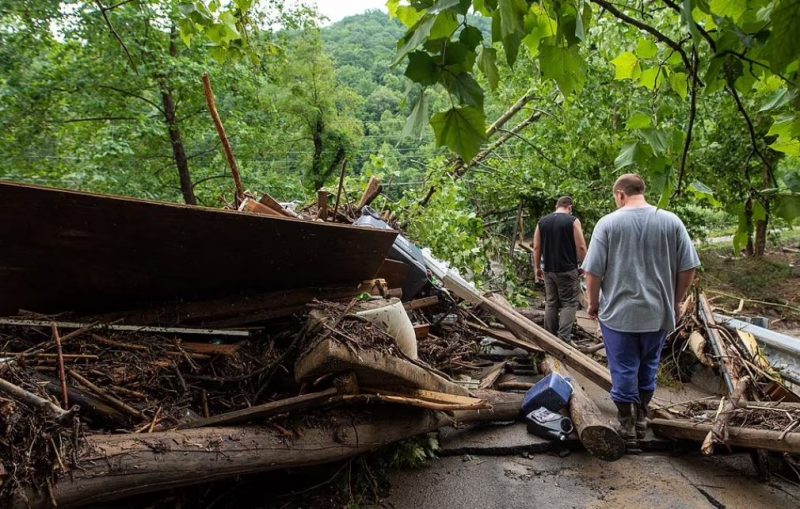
x=533, y=338
x=737, y=436
x=126, y=465
x=594, y=431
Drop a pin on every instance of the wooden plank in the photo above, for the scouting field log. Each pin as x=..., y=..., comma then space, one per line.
x=371, y=192
x=66, y=250
x=254, y=207
x=126, y=328
x=272, y=203
x=372, y=368
x=394, y=272
x=211, y=348
x=421, y=303
x=737, y=436
x=489, y=378
x=421, y=330
x=532, y=337
x=504, y=336
x=271, y=409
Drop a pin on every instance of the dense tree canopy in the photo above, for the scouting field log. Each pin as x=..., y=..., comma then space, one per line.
x=700, y=96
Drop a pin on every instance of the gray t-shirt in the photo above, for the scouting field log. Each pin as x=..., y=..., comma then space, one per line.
x=638, y=253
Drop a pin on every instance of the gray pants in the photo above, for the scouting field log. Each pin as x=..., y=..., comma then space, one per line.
x=562, y=289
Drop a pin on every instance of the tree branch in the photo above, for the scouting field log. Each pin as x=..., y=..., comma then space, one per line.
x=536, y=149
x=692, y=114
x=89, y=119
x=700, y=29
x=131, y=94
x=752, y=131
x=645, y=28
x=116, y=35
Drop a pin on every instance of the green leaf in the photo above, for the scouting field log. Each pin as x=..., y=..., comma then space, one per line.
x=688, y=20
x=652, y=78
x=657, y=139
x=787, y=130
x=702, y=191
x=461, y=129
x=732, y=9
x=780, y=98
x=422, y=68
x=444, y=4
x=414, y=37
x=639, y=121
x=626, y=67
x=540, y=26
x=464, y=86
x=416, y=121
x=487, y=63
x=646, y=48
x=787, y=206
x=470, y=37
x=679, y=83
x=391, y=6
x=783, y=45
x=244, y=5
x=631, y=154
x=512, y=15
x=409, y=16
x=444, y=26
x=565, y=66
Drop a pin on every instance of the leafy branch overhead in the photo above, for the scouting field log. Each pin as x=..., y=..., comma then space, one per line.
x=682, y=48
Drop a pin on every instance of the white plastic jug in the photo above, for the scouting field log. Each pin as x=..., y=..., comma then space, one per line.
x=391, y=316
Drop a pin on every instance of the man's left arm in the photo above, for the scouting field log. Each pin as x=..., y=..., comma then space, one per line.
x=580, y=241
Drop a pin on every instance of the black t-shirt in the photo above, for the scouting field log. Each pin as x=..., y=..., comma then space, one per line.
x=558, y=242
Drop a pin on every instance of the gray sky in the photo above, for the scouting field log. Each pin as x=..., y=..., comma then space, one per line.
x=338, y=9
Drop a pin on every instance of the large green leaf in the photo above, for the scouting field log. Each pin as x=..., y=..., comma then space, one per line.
x=419, y=115
x=445, y=25
x=487, y=63
x=657, y=139
x=626, y=67
x=512, y=15
x=646, y=48
x=631, y=154
x=783, y=45
x=679, y=83
x=409, y=16
x=787, y=206
x=464, y=86
x=463, y=130
x=414, y=37
x=540, y=26
x=470, y=37
x=639, y=120
x=780, y=98
x=732, y=9
x=565, y=66
x=787, y=130
x=652, y=78
x=422, y=68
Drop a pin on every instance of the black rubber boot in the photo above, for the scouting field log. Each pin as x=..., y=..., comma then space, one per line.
x=641, y=415
x=627, y=414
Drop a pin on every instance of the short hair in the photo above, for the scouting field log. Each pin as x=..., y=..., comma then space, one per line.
x=630, y=184
x=564, y=201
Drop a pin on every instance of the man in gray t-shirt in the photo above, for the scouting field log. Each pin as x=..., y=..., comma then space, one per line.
x=639, y=266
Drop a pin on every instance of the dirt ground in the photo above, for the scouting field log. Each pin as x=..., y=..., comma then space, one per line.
x=769, y=285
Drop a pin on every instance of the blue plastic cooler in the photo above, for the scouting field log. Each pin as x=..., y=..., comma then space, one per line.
x=551, y=392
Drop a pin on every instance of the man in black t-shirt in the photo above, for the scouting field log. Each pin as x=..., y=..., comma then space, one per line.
x=559, y=237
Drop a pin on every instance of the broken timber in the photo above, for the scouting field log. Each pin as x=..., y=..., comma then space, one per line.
x=594, y=431
x=372, y=368
x=534, y=338
x=141, y=252
x=129, y=328
x=132, y=464
x=737, y=436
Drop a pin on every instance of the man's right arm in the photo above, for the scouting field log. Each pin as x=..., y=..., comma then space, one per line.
x=593, y=291
x=580, y=241
x=537, y=254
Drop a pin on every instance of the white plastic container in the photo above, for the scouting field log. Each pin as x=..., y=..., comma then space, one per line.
x=391, y=316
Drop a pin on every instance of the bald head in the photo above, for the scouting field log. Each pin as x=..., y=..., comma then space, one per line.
x=630, y=184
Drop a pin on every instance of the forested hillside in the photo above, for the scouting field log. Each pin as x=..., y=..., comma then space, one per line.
x=110, y=99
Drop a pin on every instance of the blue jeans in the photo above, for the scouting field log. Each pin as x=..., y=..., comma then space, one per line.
x=633, y=359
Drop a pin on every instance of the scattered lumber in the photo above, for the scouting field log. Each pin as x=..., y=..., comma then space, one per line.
x=421, y=303
x=506, y=337
x=163, y=460
x=254, y=207
x=737, y=436
x=491, y=375
x=372, y=191
x=533, y=338
x=266, y=410
x=272, y=203
x=373, y=368
x=129, y=328
x=29, y=398
x=598, y=437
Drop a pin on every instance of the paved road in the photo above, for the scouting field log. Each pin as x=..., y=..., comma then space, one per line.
x=581, y=481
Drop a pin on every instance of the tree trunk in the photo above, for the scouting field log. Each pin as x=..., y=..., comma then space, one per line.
x=131, y=464
x=170, y=117
x=748, y=214
x=316, y=162
x=761, y=233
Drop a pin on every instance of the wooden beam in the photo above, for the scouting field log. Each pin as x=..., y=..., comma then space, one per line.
x=595, y=433
x=372, y=191
x=421, y=303
x=266, y=410
x=127, y=328
x=532, y=338
x=737, y=436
